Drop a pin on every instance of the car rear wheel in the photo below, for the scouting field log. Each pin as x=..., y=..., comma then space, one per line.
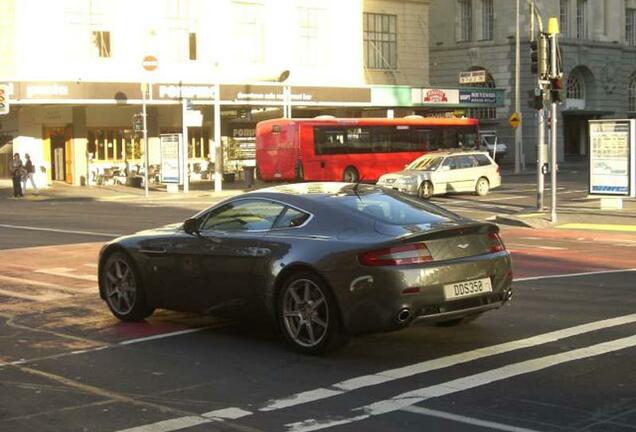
x=425, y=191
x=308, y=314
x=122, y=289
x=350, y=175
x=482, y=187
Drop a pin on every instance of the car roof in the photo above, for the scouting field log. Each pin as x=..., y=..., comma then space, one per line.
x=319, y=189
x=451, y=152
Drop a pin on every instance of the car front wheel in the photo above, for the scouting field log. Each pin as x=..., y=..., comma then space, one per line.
x=308, y=315
x=121, y=286
x=425, y=191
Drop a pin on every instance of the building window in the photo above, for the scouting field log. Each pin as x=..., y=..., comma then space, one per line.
x=112, y=144
x=487, y=19
x=249, y=31
x=564, y=17
x=380, y=41
x=309, y=49
x=632, y=94
x=101, y=42
x=630, y=26
x=576, y=86
x=465, y=20
x=192, y=43
x=581, y=19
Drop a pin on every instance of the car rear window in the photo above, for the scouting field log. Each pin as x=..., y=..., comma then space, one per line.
x=482, y=159
x=392, y=209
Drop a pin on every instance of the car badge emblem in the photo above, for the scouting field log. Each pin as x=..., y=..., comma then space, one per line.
x=463, y=245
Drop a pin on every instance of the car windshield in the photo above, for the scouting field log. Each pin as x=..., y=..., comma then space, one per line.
x=391, y=209
x=425, y=163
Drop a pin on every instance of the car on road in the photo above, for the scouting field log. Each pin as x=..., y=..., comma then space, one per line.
x=442, y=172
x=322, y=260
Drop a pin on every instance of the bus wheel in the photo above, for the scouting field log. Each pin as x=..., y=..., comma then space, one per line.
x=300, y=173
x=425, y=191
x=350, y=175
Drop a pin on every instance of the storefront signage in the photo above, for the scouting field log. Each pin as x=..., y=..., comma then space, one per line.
x=612, y=157
x=176, y=91
x=170, y=145
x=477, y=97
x=435, y=96
x=472, y=77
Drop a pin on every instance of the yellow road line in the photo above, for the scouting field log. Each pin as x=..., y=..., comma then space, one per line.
x=599, y=227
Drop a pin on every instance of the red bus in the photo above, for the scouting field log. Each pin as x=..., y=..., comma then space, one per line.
x=335, y=149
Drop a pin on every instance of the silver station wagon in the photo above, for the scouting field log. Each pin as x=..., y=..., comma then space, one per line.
x=443, y=172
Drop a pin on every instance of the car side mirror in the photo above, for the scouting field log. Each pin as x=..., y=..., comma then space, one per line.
x=191, y=226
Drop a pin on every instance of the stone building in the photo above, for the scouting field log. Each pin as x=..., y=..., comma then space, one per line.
x=598, y=43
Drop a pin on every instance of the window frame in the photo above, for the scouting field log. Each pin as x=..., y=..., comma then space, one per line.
x=581, y=19
x=284, y=207
x=382, y=44
x=630, y=26
x=465, y=15
x=487, y=20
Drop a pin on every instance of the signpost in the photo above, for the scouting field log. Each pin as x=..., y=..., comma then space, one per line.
x=613, y=157
x=149, y=63
x=514, y=120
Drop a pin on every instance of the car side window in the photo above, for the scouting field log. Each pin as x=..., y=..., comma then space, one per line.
x=451, y=162
x=482, y=159
x=291, y=218
x=243, y=215
x=467, y=161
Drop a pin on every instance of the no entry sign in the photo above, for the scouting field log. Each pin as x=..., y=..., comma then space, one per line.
x=150, y=63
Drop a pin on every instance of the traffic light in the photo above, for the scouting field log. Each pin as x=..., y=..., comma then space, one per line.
x=4, y=99
x=539, y=56
x=556, y=90
x=138, y=122
x=535, y=100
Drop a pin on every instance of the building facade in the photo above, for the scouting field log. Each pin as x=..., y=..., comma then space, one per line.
x=75, y=87
x=598, y=45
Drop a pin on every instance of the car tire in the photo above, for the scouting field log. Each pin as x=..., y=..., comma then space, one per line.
x=457, y=321
x=121, y=286
x=350, y=175
x=425, y=191
x=300, y=172
x=482, y=187
x=307, y=314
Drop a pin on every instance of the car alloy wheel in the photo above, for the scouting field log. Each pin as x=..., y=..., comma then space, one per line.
x=308, y=314
x=425, y=190
x=121, y=288
x=483, y=187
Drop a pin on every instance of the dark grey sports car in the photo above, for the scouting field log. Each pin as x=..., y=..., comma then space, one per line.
x=323, y=260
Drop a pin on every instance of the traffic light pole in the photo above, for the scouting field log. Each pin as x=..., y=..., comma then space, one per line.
x=144, y=88
x=554, y=73
x=540, y=157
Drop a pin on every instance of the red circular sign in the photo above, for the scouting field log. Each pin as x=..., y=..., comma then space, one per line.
x=150, y=63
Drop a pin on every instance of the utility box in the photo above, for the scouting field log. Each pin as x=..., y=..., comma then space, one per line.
x=613, y=157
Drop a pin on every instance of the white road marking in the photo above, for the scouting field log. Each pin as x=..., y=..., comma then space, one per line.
x=45, y=285
x=35, y=298
x=592, y=273
x=62, y=272
x=88, y=233
x=531, y=246
x=227, y=413
x=162, y=336
x=422, y=367
x=171, y=425
x=463, y=419
x=410, y=398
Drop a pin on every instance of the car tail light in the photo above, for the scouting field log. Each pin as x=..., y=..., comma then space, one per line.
x=496, y=245
x=415, y=253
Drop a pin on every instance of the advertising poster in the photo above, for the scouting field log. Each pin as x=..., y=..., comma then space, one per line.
x=170, y=145
x=610, y=157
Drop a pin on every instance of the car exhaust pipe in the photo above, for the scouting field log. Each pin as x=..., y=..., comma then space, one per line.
x=403, y=316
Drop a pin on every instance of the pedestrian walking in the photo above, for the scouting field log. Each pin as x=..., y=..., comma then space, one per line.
x=16, y=169
x=30, y=170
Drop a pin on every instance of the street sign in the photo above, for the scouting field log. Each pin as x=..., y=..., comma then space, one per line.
x=472, y=77
x=514, y=120
x=4, y=99
x=150, y=63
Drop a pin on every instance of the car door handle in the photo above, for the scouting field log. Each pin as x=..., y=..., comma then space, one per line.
x=154, y=251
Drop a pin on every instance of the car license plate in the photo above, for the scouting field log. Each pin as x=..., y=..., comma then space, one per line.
x=467, y=289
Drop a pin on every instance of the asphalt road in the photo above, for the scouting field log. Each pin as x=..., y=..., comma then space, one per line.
x=558, y=358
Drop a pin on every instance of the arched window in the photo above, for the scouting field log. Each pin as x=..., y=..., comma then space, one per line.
x=483, y=113
x=576, y=86
x=632, y=93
